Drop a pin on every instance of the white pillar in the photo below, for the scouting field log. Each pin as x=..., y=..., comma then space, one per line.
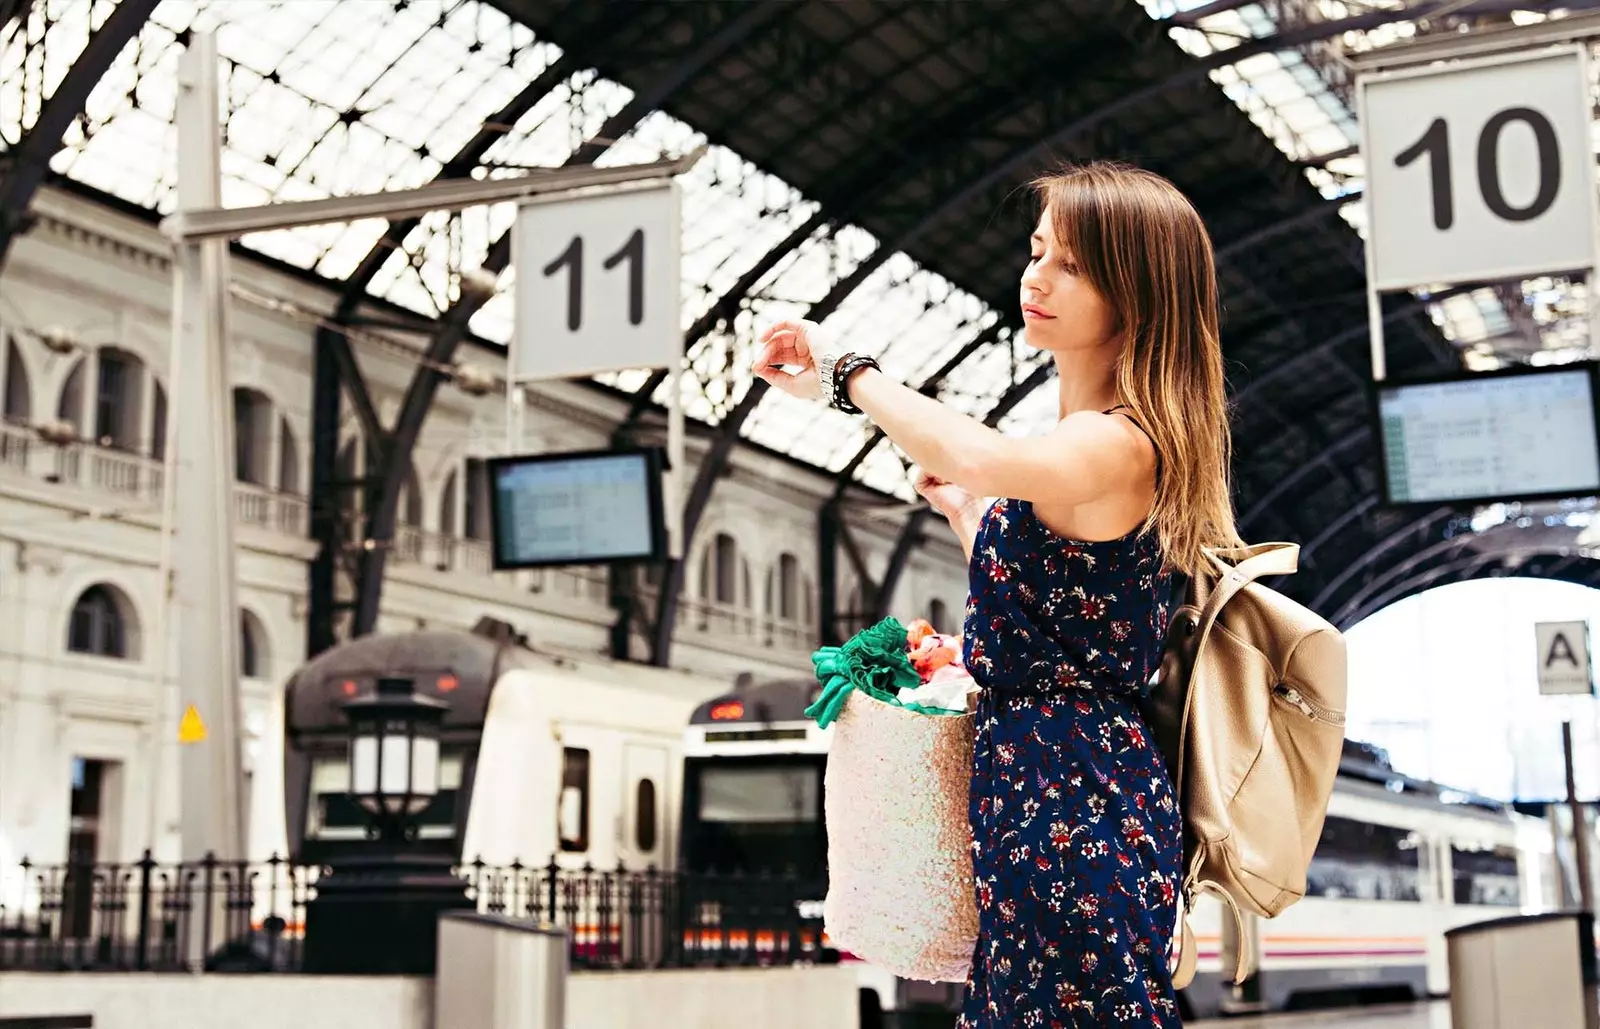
x=205, y=612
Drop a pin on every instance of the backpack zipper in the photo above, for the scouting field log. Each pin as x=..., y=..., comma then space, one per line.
x=1311, y=709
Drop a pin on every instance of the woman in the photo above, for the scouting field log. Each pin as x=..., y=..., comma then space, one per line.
x=1076, y=835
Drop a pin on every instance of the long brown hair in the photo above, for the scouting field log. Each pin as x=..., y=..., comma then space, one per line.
x=1143, y=247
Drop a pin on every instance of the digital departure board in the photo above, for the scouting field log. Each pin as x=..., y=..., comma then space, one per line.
x=577, y=508
x=1521, y=434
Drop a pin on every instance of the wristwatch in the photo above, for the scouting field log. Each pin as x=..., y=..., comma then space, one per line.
x=827, y=366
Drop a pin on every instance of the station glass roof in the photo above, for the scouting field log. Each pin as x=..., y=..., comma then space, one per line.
x=324, y=98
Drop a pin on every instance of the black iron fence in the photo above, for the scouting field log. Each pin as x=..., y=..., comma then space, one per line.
x=250, y=917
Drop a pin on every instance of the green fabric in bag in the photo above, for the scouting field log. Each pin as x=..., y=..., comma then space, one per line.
x=873, y=661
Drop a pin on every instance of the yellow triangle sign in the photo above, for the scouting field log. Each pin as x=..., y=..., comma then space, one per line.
x=191, y=729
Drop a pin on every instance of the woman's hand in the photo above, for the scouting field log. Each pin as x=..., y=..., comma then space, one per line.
x=947, y=498
x=792, y=344
x=960, y=508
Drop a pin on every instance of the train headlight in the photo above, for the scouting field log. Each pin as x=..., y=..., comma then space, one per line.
x=394, y=750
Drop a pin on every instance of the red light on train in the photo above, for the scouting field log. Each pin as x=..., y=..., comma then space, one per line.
x=349, y=687
x=447, y=683
x=728, y=711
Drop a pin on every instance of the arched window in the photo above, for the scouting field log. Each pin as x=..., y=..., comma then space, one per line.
x=158, y=422
x=117, y=413
x=118, y=399
x=288, y=459
x=939, y=617
x=788, y=587
x=477, y=499
x=252, y=436
x=102, y=623
x=410, y=510
x=252, y=646
x=447, y=506
x=19, y=395
x=70, y=408
x=725, y=568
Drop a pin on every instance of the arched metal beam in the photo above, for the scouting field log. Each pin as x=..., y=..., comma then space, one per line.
x=727, y=433
x=30, y=161
x=1465, y=569
x=1375, y=585
x=1309, y=548
x=1418, y=525
x=1469, y=566
x=1318, y=460
x=453, y=328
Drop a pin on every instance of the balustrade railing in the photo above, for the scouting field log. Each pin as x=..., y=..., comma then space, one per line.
x=149, y=915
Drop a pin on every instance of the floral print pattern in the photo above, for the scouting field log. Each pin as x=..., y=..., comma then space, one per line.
x=1076, y=839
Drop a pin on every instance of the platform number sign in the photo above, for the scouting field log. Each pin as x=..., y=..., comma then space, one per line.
x=1563, y=652
x=597, y=284
x=1479, y=170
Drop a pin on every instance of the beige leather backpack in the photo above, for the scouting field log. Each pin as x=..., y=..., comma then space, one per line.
x=1248, y=711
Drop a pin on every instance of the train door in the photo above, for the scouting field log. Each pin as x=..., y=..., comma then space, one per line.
x=642, y=842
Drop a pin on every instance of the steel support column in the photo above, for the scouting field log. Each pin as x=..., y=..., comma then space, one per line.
x=30, y=161
x=326, y=524
x=828, y=574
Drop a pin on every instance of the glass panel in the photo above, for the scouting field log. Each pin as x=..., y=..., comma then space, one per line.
x=364, y=766
x=395, y=764
x=1485, y=875
x=425, y=771
x=759, y=795
x=573, y=816
x=644, y=806
x=1361, y=861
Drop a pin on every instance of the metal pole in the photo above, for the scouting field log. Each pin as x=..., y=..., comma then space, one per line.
x=674, y=479
x=205, y=609
x=1580, y=824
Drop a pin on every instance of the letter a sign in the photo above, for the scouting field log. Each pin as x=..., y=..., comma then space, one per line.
x=1564, y=658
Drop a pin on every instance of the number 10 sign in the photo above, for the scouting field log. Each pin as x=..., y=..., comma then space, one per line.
x=597, y=282
x=1479, y=170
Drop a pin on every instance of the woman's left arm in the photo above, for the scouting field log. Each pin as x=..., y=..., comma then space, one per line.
x=1083, y=458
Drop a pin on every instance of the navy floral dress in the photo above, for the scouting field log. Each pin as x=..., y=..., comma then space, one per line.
x=1076, y=836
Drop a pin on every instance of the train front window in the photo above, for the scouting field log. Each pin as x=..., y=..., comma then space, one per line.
x=333, y=815
x=756, y=816
x=1485, y=875
x=1361, y=861
x=759, y=795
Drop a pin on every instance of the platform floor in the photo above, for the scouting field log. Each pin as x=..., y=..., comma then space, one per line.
x=1435, y=1015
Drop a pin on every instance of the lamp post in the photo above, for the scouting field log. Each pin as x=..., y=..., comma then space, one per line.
x=377, y=907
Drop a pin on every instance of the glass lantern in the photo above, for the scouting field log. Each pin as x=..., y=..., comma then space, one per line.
x=394, y=750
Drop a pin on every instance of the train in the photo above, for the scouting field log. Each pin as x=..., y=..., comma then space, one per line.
x=587, y=763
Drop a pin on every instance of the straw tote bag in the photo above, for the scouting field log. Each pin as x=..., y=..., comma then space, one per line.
x=900, y=891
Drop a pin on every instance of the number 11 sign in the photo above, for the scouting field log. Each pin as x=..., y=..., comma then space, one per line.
x=1479, y=170
x=597, y=282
